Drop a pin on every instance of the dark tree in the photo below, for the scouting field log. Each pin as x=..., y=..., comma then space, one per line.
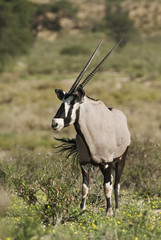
x=15, y=29
x=118, y=22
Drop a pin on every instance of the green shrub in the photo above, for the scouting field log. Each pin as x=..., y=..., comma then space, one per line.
x=42, y=180
x=74, y=50
x=142, y=171
x=53, y=187
x=61, y=8
x=65, y=8
x=118, y=22
x=15, y=29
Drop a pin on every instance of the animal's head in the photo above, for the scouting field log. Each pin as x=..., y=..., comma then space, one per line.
x=67, y=112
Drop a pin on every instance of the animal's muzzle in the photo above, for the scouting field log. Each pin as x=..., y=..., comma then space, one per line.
x=57, y=124
x=54, y=125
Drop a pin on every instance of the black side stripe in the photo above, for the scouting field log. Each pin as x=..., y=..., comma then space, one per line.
x=78, y=130
x=67, y=120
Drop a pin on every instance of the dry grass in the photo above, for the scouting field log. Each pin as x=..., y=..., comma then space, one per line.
x=28, y=105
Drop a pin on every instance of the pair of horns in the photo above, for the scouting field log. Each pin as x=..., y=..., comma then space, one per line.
x=77, y=81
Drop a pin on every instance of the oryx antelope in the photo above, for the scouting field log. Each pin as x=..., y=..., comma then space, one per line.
x=102, y=133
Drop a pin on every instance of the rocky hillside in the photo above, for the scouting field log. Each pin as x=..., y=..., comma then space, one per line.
x=91, y=15
x=146, y=15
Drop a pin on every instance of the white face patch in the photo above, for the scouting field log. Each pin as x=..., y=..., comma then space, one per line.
x=73, y=116
x=67, y=104
x=67, y=107
x=58, y=123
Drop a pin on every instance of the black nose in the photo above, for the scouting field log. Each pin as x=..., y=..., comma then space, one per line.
x=54, y=125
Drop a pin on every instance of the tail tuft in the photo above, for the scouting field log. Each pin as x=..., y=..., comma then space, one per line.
x=69, y=147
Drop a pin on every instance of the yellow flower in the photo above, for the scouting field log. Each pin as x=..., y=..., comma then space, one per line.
x=94, y=226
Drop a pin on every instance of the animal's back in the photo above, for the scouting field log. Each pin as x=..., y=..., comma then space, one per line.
x=105, y=131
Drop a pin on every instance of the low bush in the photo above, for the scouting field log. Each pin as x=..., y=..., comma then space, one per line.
x=15, y=29
x=58, y=180
x=142, y=171
x=75, y=50
x=61, y=9
x=64, y=8
x=49, y=190
x=119, y=25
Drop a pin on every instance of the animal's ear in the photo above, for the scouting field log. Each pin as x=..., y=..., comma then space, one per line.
x=59, y=93
x=81, y=94
x=81, y=91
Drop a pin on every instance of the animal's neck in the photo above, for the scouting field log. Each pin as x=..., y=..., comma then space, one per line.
x=77, y=121
x=82, y=114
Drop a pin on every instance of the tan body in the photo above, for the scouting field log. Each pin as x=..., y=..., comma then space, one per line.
x=105, y=132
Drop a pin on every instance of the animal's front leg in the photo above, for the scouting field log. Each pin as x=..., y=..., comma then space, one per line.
x=106, y=170
x=85, y=184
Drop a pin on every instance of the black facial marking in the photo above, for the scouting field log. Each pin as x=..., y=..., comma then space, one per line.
x=110, y=108
x=59, y=93
x=61, y=112
x=73, y=101
x=66, y=95
x=67, y=120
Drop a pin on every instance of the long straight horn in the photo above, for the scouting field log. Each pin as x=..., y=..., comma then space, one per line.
x=97, y=67
x=84, y=70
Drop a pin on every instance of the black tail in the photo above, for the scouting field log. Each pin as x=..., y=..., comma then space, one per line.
x=69, y=147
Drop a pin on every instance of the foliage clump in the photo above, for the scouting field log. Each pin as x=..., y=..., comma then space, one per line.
x=64, y=8
x=75, y=50
x=142, y=171
x=15, y=29
x=60, y=9
x=49, y=191
x=118, y=22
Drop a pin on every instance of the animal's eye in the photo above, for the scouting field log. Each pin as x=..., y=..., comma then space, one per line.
x=68, y=102
x=73, y=101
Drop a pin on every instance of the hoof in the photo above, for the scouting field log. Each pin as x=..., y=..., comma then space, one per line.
x=109, y=212
x=117, y=213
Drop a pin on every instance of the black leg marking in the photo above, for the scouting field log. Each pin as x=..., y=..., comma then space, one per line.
x=119, y=166
x=106, y=171
x=85, y=184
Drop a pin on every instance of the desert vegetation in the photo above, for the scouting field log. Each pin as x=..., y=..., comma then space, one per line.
x=40, y=190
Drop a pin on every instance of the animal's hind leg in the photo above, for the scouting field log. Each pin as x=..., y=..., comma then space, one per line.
x=106, y=171
x=119, y=166
x=85, y=184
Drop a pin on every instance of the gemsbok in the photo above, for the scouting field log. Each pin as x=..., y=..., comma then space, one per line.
x=102, y=138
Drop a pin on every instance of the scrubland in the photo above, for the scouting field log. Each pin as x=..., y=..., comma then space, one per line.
x=41, y=190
